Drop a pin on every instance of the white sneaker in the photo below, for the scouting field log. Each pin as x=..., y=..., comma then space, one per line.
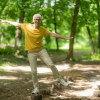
x=35, y=91
x=62, y=82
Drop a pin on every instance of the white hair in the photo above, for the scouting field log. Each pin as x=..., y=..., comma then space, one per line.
x=36, y=15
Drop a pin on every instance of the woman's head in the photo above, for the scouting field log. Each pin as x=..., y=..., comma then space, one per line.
x=36, y=15
x=37, y=19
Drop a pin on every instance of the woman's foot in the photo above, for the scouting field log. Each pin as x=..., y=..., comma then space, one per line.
x=62, y=82
x=35, y=91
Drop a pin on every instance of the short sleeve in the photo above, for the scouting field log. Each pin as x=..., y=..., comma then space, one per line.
x=46, y=32
x=23, y=26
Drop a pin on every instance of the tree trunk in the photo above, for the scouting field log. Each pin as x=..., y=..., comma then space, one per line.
x=17, y=38
x=98, y=11
x=18, y=33
x=89, y=33
x=2, y=35
x=3, y=6
x=55, y=25
x=99, y=35
x=48, y=38
x=91, y=41
x=73, y=31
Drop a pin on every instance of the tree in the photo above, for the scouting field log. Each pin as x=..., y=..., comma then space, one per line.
x=73, y=30
x=19, y=33
x=55, y=25
x=98, y=12
x=60, y=20
x=87, y=26
x=3, y=5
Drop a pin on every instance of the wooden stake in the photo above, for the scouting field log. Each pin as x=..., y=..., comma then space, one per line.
x=46, y=91
x=36, y=96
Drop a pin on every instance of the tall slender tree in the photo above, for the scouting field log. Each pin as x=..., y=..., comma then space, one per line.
x=87, y=26
x=55, y=25
x=2, y=8
x=98, y=11
x=73, y=31
x=22, y=4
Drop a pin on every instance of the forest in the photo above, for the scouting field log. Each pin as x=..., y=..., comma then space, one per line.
x=79, y=19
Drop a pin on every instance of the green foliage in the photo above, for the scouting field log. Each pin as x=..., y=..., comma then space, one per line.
x=1, y=71
x=64, y=10
x=6, y=51
x=95, y=57
x=54, y=52
x=7, y=64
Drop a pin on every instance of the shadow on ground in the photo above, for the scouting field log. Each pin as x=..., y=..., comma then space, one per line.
x=16, y=81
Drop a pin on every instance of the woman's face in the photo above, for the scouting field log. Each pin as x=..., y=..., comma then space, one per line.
x=37, y=20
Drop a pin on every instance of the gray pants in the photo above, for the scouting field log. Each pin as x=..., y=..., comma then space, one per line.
x=32, y=56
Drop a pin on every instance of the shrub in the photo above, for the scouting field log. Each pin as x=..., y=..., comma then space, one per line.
x=6, y=51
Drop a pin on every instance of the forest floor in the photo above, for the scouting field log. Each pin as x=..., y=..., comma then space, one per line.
x=16, y=81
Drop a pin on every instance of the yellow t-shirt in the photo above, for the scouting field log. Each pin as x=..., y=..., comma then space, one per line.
x=33, y=38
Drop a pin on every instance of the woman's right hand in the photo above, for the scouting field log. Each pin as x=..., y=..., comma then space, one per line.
x=3, y=21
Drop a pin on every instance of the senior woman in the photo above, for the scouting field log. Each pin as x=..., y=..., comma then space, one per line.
x=34, y=34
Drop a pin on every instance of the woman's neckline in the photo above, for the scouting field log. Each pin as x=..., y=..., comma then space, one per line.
x=34, y=28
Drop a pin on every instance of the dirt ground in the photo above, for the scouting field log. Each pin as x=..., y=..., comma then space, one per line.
x=16, y=81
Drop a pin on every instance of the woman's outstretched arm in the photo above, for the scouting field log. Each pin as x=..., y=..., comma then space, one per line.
x=10, y=22
x=59, y=36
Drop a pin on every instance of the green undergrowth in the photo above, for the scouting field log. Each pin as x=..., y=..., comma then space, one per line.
x=8, y=57
x=54, y=52
x=6, y=51
x=12, y=60
x=94, y=57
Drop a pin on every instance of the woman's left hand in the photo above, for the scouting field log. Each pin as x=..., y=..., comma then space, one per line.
x=68, y=38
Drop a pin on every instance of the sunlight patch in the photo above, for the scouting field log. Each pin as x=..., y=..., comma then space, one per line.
x=43, y=70
x=66, y=46
x=39, y=70
x=9, y=77
x=62, y=67
x=9, y=68
x=88, y=92
x=46, y=70
x=45, y=80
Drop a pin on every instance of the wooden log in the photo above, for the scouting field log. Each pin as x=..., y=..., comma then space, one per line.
x=36, y=96
x=57, y=86
x=98, y=86
x=46, y=91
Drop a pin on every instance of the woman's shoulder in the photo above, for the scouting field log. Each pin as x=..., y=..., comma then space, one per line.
x=25, y=23
x=43, y=28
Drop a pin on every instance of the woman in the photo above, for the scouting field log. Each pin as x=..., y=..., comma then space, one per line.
x=33, y=43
